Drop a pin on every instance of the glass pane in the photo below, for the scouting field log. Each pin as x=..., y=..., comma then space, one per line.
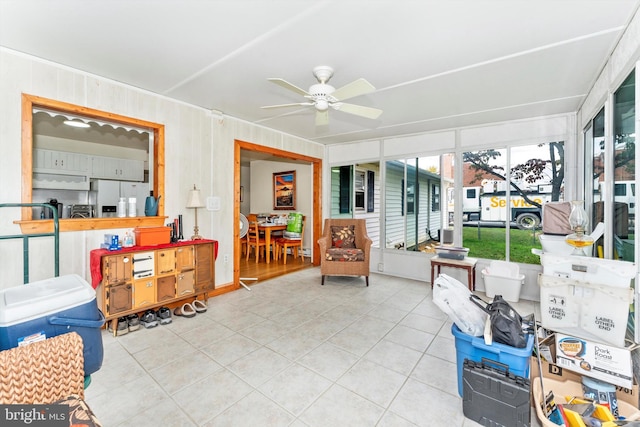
x=537, y=177
x=485, y=209
x=413, y=200
x=428, y=218
x=598, y=173
x=367, y=198
x=413, y=204
x=394, y=204
x=624, y=175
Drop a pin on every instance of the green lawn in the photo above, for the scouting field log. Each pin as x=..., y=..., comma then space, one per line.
x=490, y=243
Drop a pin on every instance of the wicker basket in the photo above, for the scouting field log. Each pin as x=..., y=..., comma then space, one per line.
x=42, y=372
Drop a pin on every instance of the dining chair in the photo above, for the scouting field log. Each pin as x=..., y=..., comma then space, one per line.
x=254, y=240
x=284, y=243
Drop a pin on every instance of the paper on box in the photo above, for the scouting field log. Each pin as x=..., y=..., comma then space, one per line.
x=600, y=361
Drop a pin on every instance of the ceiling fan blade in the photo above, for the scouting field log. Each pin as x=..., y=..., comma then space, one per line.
x=285, y=84
x=353, y=89
x=358, y=110
x=322, y=118
x=295, y=104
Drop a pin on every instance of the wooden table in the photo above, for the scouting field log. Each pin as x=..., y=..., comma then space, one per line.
x=467, y=263
x=268, y=228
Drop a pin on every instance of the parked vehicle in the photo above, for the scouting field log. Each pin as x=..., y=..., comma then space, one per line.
x=488, y=202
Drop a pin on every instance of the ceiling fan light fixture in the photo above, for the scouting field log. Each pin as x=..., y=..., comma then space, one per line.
x=322, y=105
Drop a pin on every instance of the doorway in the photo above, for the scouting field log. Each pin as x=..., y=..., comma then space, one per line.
x=316, y=215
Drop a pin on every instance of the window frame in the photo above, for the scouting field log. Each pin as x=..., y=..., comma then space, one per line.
x=30, y=226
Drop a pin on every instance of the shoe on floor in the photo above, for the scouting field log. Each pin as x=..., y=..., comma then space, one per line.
x=186, y=310
x=133, y=322
x=149, y=319
x=122, y=328
x=199, y=306
x=164, y=315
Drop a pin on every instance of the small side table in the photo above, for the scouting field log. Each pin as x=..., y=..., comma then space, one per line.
x=467, y=263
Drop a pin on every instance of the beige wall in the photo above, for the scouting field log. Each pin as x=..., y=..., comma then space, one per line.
x=261, y=198
x=199, y=149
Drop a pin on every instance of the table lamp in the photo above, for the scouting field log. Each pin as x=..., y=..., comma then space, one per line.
x=194, y=202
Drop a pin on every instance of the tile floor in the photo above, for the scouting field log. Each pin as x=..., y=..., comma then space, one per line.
x=290, y=353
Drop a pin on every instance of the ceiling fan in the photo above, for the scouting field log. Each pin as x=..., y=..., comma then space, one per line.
x=322, y=96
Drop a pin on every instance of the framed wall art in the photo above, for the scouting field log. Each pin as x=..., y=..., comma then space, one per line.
x=284, y=190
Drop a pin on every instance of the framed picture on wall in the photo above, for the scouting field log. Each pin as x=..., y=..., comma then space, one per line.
x=284, y=190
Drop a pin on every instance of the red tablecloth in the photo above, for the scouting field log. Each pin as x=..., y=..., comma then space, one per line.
x=97, y=254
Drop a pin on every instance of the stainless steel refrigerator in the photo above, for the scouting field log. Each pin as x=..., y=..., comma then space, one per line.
x=106, y=193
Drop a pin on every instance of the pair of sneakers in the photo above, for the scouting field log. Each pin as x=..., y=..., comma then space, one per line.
x=151, y=318
x=126, y=324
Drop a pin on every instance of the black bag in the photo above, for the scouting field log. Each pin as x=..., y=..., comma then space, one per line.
x=506, y=323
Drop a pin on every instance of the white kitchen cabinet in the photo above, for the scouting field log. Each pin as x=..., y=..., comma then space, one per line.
x=60, y=162
x=60, y=170
x=115, y=168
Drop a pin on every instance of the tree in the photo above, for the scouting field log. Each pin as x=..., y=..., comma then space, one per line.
x=531, y=171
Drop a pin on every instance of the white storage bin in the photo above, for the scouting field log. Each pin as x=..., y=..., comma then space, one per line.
x=503, y=278
x=594, y=311
x=587, y=269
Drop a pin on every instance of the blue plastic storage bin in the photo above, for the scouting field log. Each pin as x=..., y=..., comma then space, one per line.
x=49, y=308
x=474, y=348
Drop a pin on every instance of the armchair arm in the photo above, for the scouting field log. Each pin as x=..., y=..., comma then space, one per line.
x=324, y=242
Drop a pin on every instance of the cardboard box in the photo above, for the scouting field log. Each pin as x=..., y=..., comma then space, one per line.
x=597, y=312
x=595, y=360
x=152, y=236
x=566, y=387
x=556, y=373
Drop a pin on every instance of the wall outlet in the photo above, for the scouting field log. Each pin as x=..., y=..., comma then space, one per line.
x=226, y=259
x=380, y=266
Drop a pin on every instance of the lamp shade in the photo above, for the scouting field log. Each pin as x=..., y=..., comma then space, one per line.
x=194, y=200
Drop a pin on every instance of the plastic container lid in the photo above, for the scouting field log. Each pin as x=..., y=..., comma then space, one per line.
x=44, y=297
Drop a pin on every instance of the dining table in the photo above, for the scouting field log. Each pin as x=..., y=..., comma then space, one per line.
x=269, y=227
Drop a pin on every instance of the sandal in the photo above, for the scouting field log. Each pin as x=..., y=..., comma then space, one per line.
x=186, y=310
x=199, y=306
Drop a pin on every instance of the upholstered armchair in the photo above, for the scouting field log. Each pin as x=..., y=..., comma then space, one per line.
x=344, y=248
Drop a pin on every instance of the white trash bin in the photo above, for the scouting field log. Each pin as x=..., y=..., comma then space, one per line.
x=503, y=278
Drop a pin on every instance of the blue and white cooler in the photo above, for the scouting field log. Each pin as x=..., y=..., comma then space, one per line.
x=52, y=307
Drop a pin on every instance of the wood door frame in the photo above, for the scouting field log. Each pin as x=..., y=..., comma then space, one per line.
x=316, y=230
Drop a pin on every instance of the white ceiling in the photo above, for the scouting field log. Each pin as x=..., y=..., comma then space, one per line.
x=436, y=64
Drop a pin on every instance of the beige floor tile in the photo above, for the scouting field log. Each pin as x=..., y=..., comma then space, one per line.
x=394, y=356
x=252, y=410
x=259, y=366
x=341, y=407
x=295, y=388
x=373, y=382
x=329, y=361
x=211, y=395
x=230, y=349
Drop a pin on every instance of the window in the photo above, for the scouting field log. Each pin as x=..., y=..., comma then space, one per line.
x=413, y=189
x=360, y=189
x=471, y=193
x=510, y=186
x=435, y=197
x=156, y=165
x=355, y=193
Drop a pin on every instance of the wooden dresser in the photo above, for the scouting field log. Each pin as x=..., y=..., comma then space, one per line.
x=133, y=280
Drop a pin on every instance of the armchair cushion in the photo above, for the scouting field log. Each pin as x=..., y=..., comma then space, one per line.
x=343, y=236
x=344, y=254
